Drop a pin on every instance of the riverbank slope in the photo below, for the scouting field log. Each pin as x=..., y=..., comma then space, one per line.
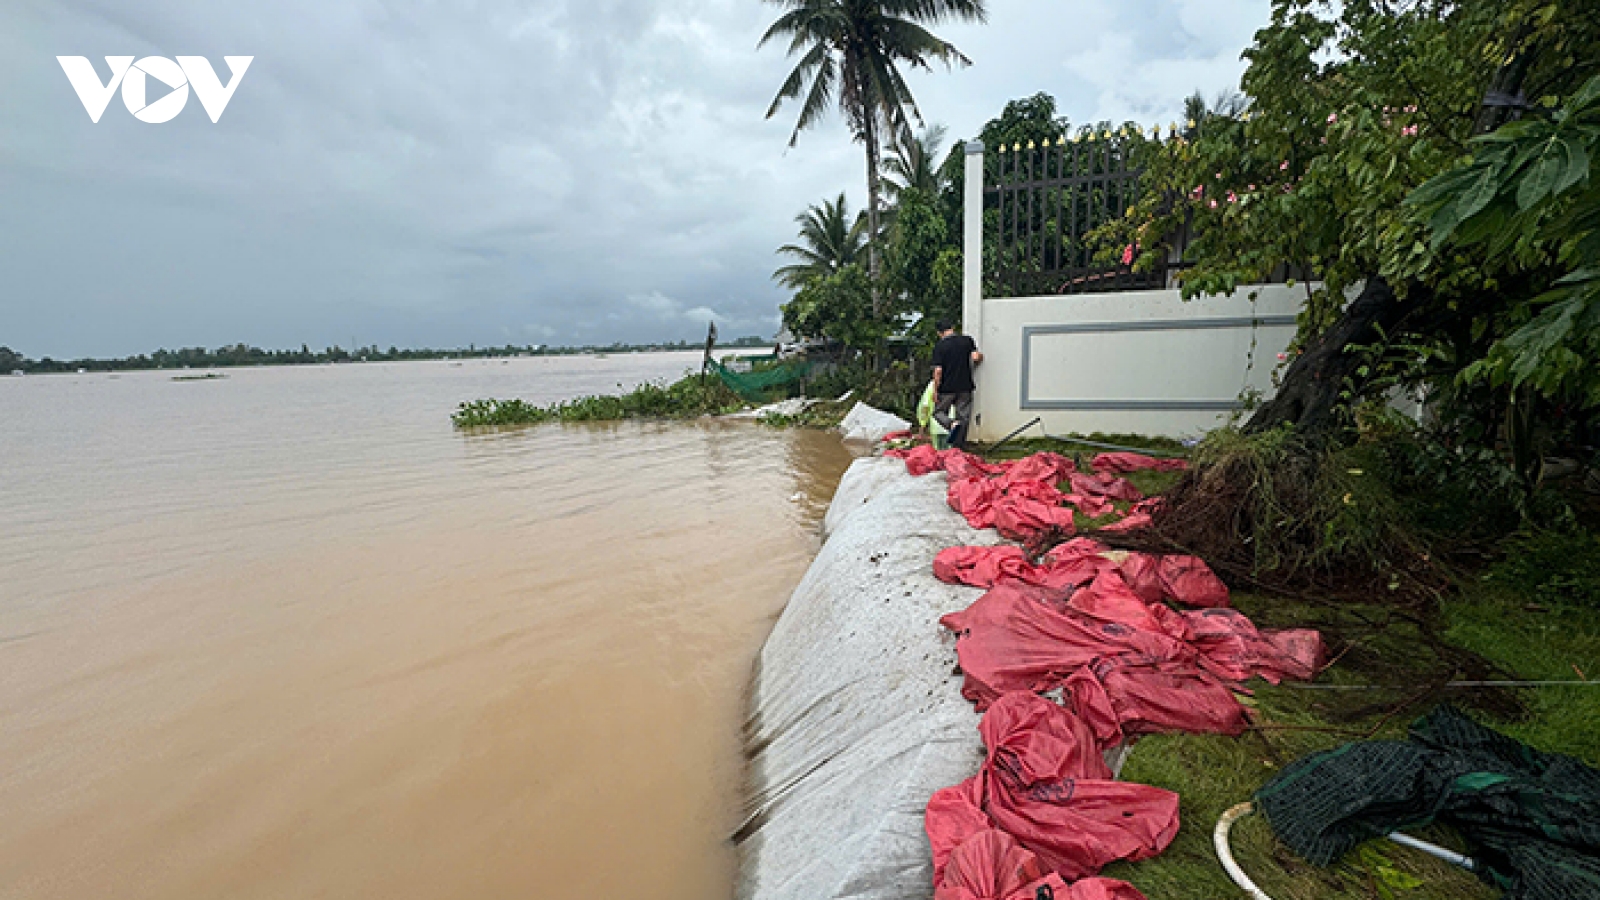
x=856, y=714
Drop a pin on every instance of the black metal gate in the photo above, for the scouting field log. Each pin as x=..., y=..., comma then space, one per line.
x=1039, y=203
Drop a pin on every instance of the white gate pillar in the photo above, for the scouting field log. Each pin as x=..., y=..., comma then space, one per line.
x=972, y=270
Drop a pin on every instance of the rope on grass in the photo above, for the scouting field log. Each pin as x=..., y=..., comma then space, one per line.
x=1507, y=683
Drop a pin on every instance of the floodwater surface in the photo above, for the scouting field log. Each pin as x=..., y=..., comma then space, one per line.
x=286, y=634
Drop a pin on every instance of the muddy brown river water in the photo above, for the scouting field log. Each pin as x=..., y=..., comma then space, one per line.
x=287, y=635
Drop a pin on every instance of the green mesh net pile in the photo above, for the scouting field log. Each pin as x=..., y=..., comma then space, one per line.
x=1532, y=819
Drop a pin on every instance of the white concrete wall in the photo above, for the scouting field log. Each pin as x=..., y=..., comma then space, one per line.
x=1143, y=362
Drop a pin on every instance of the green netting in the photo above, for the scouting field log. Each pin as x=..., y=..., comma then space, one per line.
x=758, y=383
x=1532, y=818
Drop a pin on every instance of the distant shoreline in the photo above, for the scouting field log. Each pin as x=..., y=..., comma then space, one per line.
x=241, y=356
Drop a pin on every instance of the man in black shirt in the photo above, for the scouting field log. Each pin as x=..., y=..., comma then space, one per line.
x=953, y=359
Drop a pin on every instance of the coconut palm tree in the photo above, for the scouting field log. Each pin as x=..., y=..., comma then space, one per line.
x=830, y=239
x=850, y=52
x=913, y=163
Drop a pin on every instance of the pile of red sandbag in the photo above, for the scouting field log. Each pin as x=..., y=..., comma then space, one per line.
x=1134, y=462
x=1045, y=783
x=1023, y=498
x=1096, y=626
x=1182, y=579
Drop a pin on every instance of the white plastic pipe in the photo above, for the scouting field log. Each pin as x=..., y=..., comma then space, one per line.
x=1219, y=837
x=1434, y=850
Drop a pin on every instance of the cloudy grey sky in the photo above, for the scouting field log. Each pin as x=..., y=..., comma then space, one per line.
x=437, y=174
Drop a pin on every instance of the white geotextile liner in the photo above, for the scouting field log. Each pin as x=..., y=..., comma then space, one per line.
x=856, y=714
x=866, y=423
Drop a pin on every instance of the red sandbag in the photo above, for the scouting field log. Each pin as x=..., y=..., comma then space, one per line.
x=1075, y=562
x=1188, y=580
x=982, y=566
x=1093, y=507
x=897, y=436
x=1050, y=468
x=1013, y=639
x=954, y=815
x=961, y=464
x=920, y=460
x=1123, y=463
x=1234, y=648
x=1046, y=784
x=1108, y=486
x=986, y=567
x=1142, y=573
x=1141, y=697
x=1131, y=522
x=1043, y=491
x=1109, y=599
x=1183, y=579
x=1102, y=889
x=991, y=865
x=974, y=498
x=1021, y=518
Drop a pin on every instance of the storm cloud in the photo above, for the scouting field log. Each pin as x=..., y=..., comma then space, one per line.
x=429, y=174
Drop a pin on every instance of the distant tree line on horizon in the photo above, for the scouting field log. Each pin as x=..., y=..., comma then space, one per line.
x=235, y=355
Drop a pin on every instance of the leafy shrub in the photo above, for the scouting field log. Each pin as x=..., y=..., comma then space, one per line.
x=688, y=397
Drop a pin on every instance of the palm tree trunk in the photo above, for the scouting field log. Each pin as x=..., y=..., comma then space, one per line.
x=869, y=136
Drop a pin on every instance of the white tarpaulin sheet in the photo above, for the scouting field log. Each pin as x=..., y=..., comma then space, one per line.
x=856, y=713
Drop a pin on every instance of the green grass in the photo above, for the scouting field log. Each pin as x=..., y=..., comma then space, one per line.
x=1389, y=655
x=1538, y=643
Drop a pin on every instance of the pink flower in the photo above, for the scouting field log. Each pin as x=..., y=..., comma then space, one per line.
x=1411, y=109
x=1232, y=197
x=1283, y=166
x=1332, y=118
x=1127, y=255
x=1201, y=189
x=1251, y=187
x=1219, y=176
x=1409, y=130
x=1213, y=204
x=1282, y=357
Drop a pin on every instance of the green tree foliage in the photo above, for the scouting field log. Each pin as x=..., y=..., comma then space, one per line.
x=1527, y=199
x=830, y=239
x=839, y=308
x=1029, y=119
x=1350, y=109
x=851, y=51
x=923, y=264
